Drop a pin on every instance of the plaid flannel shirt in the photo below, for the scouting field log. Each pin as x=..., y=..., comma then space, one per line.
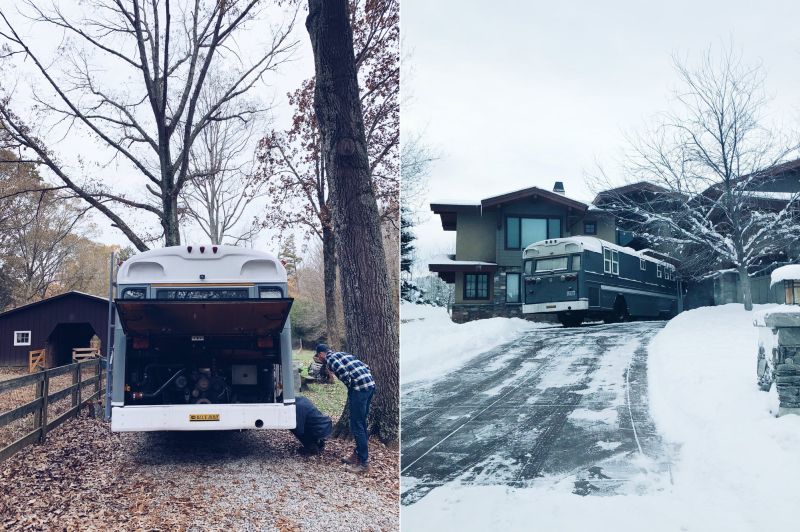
x=350, y=370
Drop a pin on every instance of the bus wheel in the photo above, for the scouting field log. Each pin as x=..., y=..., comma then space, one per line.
x=619, y=313
x=570, y=320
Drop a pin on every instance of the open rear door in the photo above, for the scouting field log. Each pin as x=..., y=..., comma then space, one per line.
x=259, y=317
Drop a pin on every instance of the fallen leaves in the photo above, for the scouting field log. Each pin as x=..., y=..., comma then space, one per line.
x=87, y=478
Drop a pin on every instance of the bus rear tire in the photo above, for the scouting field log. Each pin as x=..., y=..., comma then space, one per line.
x=573, y=319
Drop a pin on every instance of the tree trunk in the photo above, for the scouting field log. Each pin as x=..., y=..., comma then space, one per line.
x=329, y=268
x=747, y=292
x=370, y=314
x=170, y=223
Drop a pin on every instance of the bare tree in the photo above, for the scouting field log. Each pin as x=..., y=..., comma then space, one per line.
x=371, y=320
x=166, y=52
x=705, y=167
x=223, y=185
x=415, y=161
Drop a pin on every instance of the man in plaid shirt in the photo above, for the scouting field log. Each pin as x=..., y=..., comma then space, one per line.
x=360, y=388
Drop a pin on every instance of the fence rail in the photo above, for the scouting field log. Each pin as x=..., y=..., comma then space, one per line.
x=39, y=406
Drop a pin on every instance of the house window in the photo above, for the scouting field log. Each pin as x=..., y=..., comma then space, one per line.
x=512, y=288
x=589, y=228
x=476, y=286
x=659, y=271
x=792, y=292
x=22, y=338
x=611, y=261
x=522, y=232
x=643, y=265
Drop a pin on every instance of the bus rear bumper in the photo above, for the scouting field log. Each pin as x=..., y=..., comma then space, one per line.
x=555, y=306
x=235, y=416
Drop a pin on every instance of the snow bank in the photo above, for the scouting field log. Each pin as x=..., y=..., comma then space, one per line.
x=736, y=467
x=431, y=344
x=784, y=273
x=736, y=458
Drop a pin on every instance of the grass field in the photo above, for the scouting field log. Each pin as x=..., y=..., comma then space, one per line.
x=329, y=398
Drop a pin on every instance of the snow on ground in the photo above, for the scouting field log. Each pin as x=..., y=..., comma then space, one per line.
x=432, y=344
x=737, y=465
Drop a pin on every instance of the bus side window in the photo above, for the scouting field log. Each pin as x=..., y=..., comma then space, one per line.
x=576, y=263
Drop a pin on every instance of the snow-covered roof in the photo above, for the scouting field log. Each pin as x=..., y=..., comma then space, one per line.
x=596, y=245
x=785, y=273
x=446, y=260
x=471, y=203
x=784, y=196
x=217, y=264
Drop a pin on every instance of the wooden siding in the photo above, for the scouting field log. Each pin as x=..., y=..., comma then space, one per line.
x=42, y=319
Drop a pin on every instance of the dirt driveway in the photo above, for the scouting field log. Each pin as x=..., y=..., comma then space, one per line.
x=87, y=478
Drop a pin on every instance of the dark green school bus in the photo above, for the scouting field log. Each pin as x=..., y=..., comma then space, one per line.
x=579, y=278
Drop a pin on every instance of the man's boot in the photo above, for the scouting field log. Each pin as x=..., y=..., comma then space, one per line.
x=352, y=459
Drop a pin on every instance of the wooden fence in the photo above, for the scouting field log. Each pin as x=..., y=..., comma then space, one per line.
x=39, y=406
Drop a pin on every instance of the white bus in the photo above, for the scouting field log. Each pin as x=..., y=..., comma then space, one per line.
x=202, y=341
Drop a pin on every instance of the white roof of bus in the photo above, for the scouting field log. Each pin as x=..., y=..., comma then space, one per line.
x=185, y=264
x=591, y=243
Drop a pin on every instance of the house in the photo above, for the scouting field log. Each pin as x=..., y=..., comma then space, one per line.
x=491, y=234
x=767, y=191
x=57, y=324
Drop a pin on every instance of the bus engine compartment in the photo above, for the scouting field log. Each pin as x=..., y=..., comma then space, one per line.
x=201, y=370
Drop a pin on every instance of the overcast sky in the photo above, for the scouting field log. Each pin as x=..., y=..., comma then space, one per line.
x=520, y=94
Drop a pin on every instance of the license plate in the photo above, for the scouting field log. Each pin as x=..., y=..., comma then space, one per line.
x=203, y=417
x=570, y=292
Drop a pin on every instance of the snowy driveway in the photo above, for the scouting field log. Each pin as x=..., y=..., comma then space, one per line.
x=555, y=406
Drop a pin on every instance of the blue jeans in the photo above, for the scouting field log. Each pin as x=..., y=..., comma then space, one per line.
x=359, y=401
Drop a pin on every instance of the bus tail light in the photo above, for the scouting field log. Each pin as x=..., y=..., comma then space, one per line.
x=141, y=342
x=264, y=342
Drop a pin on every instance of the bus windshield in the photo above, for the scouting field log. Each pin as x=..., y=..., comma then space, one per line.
x=551, y=263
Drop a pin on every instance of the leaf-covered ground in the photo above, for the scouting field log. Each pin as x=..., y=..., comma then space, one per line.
x=87, y=478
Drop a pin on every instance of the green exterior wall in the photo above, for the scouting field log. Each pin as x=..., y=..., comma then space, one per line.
x=475, y=237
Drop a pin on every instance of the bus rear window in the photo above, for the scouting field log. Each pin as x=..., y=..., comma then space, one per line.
x=202, y=293
x=552, y=263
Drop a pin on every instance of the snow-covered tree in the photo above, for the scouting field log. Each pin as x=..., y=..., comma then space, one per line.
x=704, y=170
x=416, y=159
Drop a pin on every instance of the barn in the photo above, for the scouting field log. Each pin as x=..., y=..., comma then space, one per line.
x=57, y=324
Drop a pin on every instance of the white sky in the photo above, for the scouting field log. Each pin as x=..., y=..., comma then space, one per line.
x=95, y=156
x=519, y=94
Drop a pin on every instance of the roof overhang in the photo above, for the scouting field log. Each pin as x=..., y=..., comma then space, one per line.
x=456, y=266
x=449, y=212
x=446, y=270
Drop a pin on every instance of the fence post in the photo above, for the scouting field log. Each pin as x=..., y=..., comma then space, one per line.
x=40, y=417
x=76, y=379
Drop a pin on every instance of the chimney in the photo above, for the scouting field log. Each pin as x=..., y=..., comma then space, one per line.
x=558, y=188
